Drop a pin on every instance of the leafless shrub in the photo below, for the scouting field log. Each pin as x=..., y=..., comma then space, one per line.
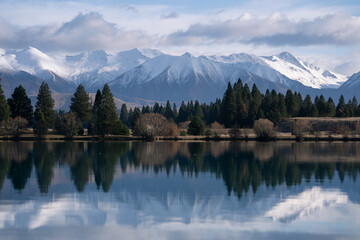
x=217, y=129
x=235, y=132
x=340, y=128
x=357, y=127
x=300, y=127
x=150, y=125
x=68, y=124
x=264, y=129
x=14, y=126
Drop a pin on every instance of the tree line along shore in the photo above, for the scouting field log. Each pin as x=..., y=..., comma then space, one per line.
x=241, y=114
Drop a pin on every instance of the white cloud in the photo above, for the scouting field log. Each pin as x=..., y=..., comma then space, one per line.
x=254, y=27
x=85, y=32
x=275, y=30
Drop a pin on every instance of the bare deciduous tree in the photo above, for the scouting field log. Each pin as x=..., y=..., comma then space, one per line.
x=217, y=129
x=264, y=129
x=15, y=125
x=300, y=127
x=150, y=125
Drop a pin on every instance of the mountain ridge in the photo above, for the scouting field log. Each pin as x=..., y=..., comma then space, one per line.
x=151, y=75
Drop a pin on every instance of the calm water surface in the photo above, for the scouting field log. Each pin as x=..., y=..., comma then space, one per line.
x=179, y=190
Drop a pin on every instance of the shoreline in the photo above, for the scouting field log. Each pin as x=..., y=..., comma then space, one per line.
x=250, y=137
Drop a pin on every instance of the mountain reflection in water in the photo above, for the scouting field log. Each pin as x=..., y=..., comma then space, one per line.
x=188, y=187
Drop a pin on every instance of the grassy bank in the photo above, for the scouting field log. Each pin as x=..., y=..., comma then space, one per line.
x=278, y=136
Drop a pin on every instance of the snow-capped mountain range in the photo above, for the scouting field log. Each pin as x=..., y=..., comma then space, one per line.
x=141, y=75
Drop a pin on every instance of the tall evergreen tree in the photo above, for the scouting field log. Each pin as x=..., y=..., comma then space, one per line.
x=254, y=105
x=80, y=104
x=168, y=111
x=45, y=104
x=175, y=112
x=330, y=109
x=198, y=110
x=95, y=124
x=124, y=114
x=228, y=108
x=20, y=104
x=320, y=104
x=341, y=108
x=292, y=105
x=196, y=126
x=108, y=115
x=214, y=113
x=136, y=115
x=246, y=95
x=182, y=117
x=40, y=127
x=156, y=108
x=4, y=107
x=308, y=109
x=282, y=106
x=352, y=106
x=190, y=109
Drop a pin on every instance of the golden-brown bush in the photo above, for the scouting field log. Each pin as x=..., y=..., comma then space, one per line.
x=264, y=129
x=217, y=129
x=150, y=125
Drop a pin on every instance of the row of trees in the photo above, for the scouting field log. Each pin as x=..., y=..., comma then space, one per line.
x=101, y=118
x=241, y=106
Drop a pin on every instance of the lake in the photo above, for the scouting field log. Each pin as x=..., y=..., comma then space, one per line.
x=179, y=190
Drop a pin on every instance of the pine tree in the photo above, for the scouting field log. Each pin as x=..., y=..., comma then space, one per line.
x=254, y=105
x=4, y=107
x=107, y=114
x=175, y=112
x=124, y=115
x=40, y=127
x=308, y=109
x=352, y=106
x=156, y=108
x=80, y=104
x=136, y=116
x=292, y=105
x=196, y=126
x=182, y=117
x=168, y=111
x=20, y=104
x=198, y=110
x=341, y=109
x=282, y=106
x=246, y=95
x=190, y=109
x=214, y=113
x=330, y=109
x=320, y=105
x=45, y=104
x=96, y=115
x=238, y=86
x=228, y=108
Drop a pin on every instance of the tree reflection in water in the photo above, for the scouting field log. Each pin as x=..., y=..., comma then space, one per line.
x=243, y=166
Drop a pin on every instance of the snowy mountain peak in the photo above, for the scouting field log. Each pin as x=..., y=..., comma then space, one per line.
x=188, y=55
x=150, y=53
x=95, y=68
x=289, y=58
x=353, y=82
x=33, y=61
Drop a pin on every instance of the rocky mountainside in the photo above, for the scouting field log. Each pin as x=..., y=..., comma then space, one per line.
x=142, y=76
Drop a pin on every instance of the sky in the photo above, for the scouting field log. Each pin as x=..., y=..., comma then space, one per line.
x=323, y=32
